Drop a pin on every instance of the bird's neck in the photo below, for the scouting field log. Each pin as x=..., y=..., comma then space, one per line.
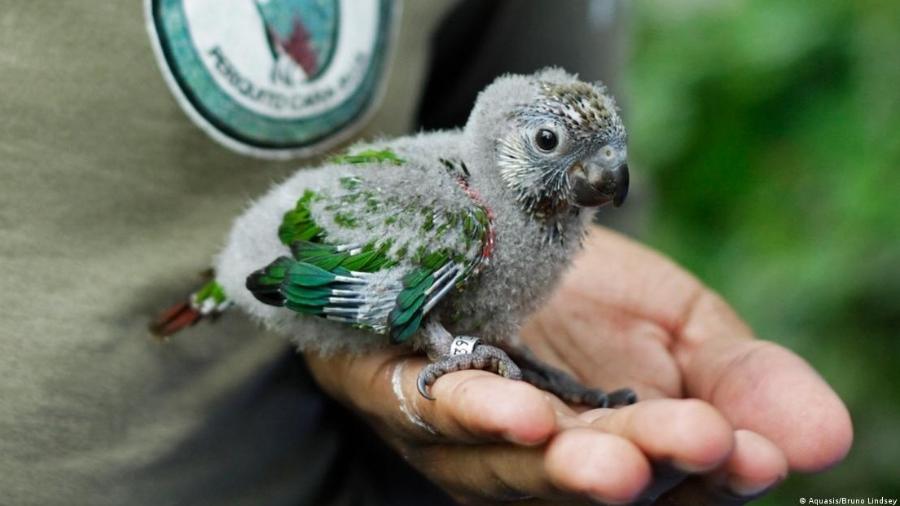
x=557, y=222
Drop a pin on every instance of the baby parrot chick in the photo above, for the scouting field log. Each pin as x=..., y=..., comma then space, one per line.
x=444, y=241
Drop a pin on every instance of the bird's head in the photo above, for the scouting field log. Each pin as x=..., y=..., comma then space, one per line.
x=555, y=141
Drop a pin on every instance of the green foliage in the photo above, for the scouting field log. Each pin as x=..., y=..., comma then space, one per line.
x=769, y=134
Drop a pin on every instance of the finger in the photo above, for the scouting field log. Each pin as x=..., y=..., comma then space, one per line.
x=577, y=463
x=765, y=388
x=498, y=472
x=679, y=437
x=755, y=466
x=604, y=467
x=469, y=406
x=687, y=433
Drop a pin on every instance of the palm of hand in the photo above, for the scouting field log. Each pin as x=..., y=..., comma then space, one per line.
x=626, y=317
x=620, y=319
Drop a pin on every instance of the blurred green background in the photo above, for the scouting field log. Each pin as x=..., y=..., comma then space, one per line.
x=769, y=132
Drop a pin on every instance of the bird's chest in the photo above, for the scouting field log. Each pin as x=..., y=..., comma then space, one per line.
x=520, y=275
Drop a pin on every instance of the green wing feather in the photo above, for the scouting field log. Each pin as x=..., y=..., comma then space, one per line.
x=331, y=280
x=298, y=225
x=369, y=156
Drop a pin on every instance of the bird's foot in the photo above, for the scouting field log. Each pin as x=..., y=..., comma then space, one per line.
x=563, y=385
x=468, y=353
x=567, y=388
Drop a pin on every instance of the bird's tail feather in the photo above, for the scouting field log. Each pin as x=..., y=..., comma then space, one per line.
x=265, y=284
x=208, y=302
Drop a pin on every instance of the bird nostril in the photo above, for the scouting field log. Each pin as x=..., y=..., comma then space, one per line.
x=596, y=185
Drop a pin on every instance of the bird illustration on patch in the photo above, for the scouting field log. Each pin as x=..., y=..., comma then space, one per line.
x=300, y=35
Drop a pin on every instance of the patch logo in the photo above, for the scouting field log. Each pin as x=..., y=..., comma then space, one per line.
x=274, y=78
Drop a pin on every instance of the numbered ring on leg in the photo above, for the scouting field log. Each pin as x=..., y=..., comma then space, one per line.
x=463, y=345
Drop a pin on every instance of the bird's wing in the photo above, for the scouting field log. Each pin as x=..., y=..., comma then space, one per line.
x=368, y=258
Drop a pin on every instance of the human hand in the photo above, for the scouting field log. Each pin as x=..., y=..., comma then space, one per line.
x=723, y=417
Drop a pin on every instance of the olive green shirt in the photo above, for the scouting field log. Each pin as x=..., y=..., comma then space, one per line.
x=111, y=203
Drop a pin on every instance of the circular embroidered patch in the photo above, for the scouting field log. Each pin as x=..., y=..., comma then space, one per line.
x=274, y=78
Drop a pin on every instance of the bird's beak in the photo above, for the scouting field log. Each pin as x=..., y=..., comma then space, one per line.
x=595, y=184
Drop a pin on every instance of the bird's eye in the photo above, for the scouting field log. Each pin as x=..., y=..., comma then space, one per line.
x=546, y=140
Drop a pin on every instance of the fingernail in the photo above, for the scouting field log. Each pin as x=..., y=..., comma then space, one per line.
x=746, y=490
x=740, y=488
x=690, y=468
x=517, y=440
x=595, y=414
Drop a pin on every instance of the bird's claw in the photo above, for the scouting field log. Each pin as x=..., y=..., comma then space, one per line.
x=423, y=386
x=483, y=357
x=621, y=397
